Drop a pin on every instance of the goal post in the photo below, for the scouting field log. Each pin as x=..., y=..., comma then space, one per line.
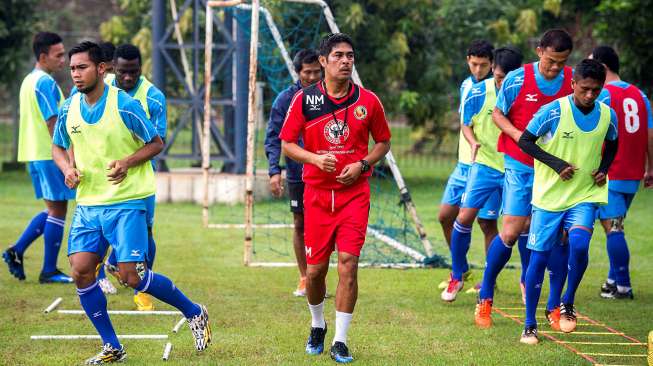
x=262, y=17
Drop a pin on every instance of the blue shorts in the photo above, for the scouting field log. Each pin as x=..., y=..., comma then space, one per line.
x=618, y=204
x=517, y=193
x=93, y=227
x=150, y=204
x=484, y=186
x=455, y=189
x=48, y=181
x=547, y=226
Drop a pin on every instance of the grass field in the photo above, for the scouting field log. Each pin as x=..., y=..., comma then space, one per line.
x=399, y=319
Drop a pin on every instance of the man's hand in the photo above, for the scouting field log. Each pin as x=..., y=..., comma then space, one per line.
x=118, y=171
x=350, y=173
x=599, y=178
x=567, y=173
x=275, y=185
x=72, y=177
x=648, y=179
x=475, y=147
x=326, y=162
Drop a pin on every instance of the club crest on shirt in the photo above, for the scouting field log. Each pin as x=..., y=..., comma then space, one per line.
x=360, y=112
x=336, y=132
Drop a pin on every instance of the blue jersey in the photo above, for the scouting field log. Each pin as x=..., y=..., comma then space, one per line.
x=513, y=82
x=546, y=120
x=625, y=186
x=273, y=142
x=465, y=88
x=47, y=96
x=132, y=115
x=473, y=103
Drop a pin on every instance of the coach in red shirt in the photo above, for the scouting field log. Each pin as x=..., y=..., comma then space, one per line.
x=335, y=118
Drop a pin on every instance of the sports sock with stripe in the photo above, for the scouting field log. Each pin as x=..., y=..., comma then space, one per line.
x=579, y=244
x=534, y=278
x=461, y=236
x=33, y=230
x=162, y=288
x=94, y=304
x=497, y=256
x=558, y=266
x=52, y=235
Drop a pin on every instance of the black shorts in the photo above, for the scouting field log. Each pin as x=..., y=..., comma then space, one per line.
x=296, y=195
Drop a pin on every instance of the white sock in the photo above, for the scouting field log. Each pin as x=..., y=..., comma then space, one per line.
x=342, y=326
x=317, y=315
x=623, y=289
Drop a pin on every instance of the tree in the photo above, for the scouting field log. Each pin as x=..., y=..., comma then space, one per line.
x=17, y=22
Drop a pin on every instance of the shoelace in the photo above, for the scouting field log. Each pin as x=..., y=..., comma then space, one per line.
x=316, y=334
x=485, y=308
x=452, y=285
x=341, y=349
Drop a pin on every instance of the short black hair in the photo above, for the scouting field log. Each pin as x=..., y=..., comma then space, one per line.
x=558, y=39
x=94, y=51
x=107, y=51
x=329, y=41
x=128, y=52
x=481, y=48
x=508, y=58
x=589, y=68
x=607, y=56
x=42, y=42
x=305, y=56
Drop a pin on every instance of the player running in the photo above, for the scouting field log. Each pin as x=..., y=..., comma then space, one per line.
x=566, y=138
x=310, y=72
x=40, y=98
x=629, y=168
x=485, y=177
x=113, y=142
x=334, y=118
x=479, y=61
x=522, y=93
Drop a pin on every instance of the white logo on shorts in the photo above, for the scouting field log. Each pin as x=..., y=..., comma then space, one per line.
x=491, y=212
x=308, y=251
x=136, y=253
x=294, y=203
x=531, y=239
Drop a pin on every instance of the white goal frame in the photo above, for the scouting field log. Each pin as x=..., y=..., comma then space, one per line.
x=249, y=225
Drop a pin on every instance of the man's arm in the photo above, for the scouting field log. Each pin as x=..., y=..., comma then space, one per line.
x=325, y=162
x=505, y=125
x=468, y=132
x=120, y=167
x=527, y=142
x=51, y=122
x=273, y=143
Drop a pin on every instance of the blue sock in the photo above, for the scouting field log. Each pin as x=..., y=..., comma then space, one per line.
x=100, y=273
x=497, y=256
x=94, y=304
x=524, y=255
x=461, y=236
x=579, y=244
x=534, y=278
x=112, y=258
x=558, y=266
x=151, y=251
x=33, y=230
x=163, y=289
x=619, y=258
x=52, y=235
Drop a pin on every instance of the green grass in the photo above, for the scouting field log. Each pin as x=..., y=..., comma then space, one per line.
x=399, y=319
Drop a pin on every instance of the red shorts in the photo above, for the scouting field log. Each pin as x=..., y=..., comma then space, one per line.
x=335, y=217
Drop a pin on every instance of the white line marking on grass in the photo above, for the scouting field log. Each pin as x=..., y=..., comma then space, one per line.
x=54, y=305
x=614, y=354
x=607, y=343
x=125, y=312
x=95, y=336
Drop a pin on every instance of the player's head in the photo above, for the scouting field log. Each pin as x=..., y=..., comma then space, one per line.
x=337, y=56
x=107, y=54
x=307, y=67
x=554, y=50
x=479, y=58
x=506, y=59
x=86, y=66
x=49, y=51
x=127, y=66
x=589, y=76
x=607, y=56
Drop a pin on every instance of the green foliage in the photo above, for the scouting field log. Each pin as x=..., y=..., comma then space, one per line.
x=18, y=22
x=627, y=26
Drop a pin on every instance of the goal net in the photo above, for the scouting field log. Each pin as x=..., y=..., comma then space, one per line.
x=395, y=236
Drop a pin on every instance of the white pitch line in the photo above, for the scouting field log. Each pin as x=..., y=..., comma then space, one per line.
x=125, y=312
x=54, y=305
x=178, y=325
x=166, y=351
x=95, y=336
x=613, y=354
